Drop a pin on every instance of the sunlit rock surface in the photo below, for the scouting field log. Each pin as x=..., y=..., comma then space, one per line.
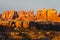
x=15, y=25
x=41, y=15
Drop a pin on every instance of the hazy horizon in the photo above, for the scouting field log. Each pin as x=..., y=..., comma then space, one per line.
x=28, y=5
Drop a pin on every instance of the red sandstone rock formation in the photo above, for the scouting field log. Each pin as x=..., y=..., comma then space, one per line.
x=41, y=15
x=29, y=16
x=5, y=15
x=52, y=15
x=12, y=15
x=21, y=15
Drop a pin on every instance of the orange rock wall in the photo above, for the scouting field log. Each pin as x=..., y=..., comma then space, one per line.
x=41, y=15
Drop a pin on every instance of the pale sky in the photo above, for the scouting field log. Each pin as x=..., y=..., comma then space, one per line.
x=28, y=4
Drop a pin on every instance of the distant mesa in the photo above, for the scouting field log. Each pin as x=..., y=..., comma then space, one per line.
x=43, y=14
